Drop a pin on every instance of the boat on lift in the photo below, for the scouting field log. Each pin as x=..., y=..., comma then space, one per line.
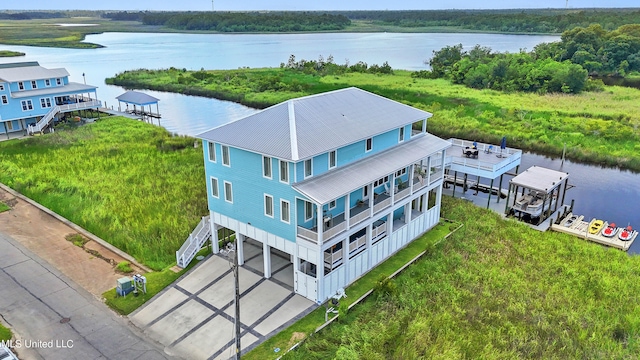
x=610, y=230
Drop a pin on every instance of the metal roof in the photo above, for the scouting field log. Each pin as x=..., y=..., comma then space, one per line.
x=343, y=180
x=137, y=98
x=71, y=88
x=539, y=179
x=29, y=71
x=304, y=127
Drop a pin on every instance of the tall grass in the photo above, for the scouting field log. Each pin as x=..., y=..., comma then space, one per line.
x=497, y=290
x=596, y=127
x=131, y=183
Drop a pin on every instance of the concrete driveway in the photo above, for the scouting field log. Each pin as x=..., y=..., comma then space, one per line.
x=194, y=317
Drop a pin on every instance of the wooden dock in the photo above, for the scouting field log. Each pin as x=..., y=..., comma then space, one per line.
x=580, y=228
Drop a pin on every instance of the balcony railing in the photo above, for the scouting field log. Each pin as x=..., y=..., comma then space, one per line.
x=403, y=193
x=381, y=205
x=333, y=259
x=359, y=216
x=308, y=233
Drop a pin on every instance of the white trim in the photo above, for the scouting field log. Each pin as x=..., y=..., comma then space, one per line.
x=230, y=192
x=26, y=102
x=292, y=131
x=270, y=177
x=228, y=158
x=20, y=85
x=335, y=204
x=335, y=152
x=4, y=99
x=285, y=181
x=310, y=217
x=304, y=170
x=217, y=187
x=265, y=205
x=211, y=145
x=2, y=87
x=47, y=82
x=282, y=201
x=365, y=144
x=45, y=103
x=34, y=84
x=401, y=134
x=59, y=82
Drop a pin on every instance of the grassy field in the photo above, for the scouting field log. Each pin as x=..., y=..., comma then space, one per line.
x=597, y=127
x=131, y=183
x=5, y=334
x=496, y=290
x=8, y=53
x=4, y=207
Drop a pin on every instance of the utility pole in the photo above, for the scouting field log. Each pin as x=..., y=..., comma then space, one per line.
x=237, y=299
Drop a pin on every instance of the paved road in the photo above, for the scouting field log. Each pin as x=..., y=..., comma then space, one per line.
x=37, y=300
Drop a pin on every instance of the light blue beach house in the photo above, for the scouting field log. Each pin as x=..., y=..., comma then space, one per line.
x=335, y=182
x=31, y=97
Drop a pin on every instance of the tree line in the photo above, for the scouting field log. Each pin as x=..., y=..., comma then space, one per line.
x=562, y=66
x=281, y=21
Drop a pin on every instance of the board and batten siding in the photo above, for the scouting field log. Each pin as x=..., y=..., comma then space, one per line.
x=249, y=188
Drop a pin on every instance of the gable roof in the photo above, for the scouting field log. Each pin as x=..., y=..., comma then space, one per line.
x=29, y=71
x=138, y=98
x=304, y=127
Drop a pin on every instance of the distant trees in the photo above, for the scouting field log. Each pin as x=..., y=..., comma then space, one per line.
x=281, y=21
x=328, y=67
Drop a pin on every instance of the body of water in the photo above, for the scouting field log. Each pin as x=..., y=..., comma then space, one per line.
x=608, y=194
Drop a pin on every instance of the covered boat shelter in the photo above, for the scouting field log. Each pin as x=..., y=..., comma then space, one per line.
x=138, y=99
x=479, y=160
x=536, y=192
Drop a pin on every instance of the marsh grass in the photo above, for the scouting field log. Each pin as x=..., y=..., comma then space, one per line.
x=495, y=290
x=115, y=179
x=4, y=207
x=9, y=53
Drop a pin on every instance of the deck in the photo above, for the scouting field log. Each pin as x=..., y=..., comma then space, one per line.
x=490, y=161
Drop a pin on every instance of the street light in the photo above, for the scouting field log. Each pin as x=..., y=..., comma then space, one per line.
x=85, y=79
x=231, y=247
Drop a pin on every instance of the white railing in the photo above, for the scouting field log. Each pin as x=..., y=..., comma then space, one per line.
x=381, y=205
x=308, y=234
x=333, y=259
x=435, y=176
x=358, y=217
x=357, y=244
x=379, y=231
x=194, y=242
x=331, y=232
x=402, y=193
x=42, y=123
x=6, y=353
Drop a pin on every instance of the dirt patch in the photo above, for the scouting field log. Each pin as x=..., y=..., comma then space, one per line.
x=296, y=337
x=91, y=266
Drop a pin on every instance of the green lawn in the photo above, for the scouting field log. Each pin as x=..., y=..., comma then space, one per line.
x=496, y=290
x=5, y=334
x=131, y=183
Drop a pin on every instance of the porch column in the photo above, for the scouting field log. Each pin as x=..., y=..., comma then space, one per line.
x=320, y=277
x=368, y=246
x=345, y=260
x=215, y=242
x=392, y=187
x=347, y=209
x=371, y=198
x=266, y=250
x=407, y=212
x=428, y=171
x=240, y=248
x=320, y=223
x=411, y=176
x=389, y=234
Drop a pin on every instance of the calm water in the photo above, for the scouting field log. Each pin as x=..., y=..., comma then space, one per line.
x=604, y=193
x=192, y=115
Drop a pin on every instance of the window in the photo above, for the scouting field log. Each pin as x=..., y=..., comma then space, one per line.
x=284, y=211
x=266, y=167
x=47, y=82
x=21, y=85
x=212, y=151
x=308, y=211
x=365, y=192
x=9, y=125
x=401, y=139
x=268, y=205
x=332, y=204
x=214, y=188
x=380, y=181
x=228, y=192
x=369, y=145
x=5, y=100
x=225, y=156
x=45, y=102
x=401, y=172
x=34, y=84
x=58, y=81
x=1, y=87
x=308, y=168
x=284, y=171
x=26, y=105
x=332, y=159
